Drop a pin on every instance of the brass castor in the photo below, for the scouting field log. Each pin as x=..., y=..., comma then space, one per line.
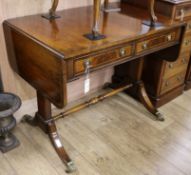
x=70, y=167
x=159, y=117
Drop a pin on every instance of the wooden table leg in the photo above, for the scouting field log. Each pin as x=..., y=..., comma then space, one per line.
x=132, y=72
x=45, y=113
x=144, y=98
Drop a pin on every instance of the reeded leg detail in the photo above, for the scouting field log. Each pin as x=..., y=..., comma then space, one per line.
x=148, y=104
x=55, y=139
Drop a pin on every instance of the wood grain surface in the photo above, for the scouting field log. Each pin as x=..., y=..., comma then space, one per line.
x=15, y=8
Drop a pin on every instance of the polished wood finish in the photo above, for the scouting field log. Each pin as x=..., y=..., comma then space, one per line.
x=47, y=69
x=47, y=53
x=44, y=111
x=162, y=80
x=157, y=41
x=88, y=103
x=14, y=83
x=103, y=58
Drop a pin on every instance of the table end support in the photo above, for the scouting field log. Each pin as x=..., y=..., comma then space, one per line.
x=44, y=113
x=144, y=98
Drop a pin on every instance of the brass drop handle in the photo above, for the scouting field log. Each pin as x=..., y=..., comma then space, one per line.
x=122, y=52
x=169, y=37
x=144, y=46
x=87, y=66
x=171, y=65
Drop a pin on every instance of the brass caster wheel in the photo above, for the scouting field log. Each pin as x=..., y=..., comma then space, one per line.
x=159, y=117
x=70, y=167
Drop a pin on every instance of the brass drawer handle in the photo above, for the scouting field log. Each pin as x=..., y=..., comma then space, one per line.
x=169, y=37
x=144, y=46
x=171, y=65
x=122, y=52
x=87, y=65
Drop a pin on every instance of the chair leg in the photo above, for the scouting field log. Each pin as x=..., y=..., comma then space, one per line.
x=147, y=102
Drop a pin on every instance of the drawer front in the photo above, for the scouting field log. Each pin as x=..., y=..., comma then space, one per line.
x=173, y=82
x=158, y=41
x=176, y=67
x=102, y=59
x=183, y=12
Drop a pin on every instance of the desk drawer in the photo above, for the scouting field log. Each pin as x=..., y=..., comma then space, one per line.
x=102, y=58
x=158, y=41
x=173, y=82
x=178, y=66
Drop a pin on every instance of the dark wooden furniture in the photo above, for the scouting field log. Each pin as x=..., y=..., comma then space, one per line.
x=164, y=79
x=48, y=54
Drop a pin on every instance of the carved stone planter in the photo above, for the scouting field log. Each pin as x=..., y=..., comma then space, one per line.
x=9, y=104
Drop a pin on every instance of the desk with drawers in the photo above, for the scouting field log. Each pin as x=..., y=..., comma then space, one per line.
x=169, y=79
x=48, y=54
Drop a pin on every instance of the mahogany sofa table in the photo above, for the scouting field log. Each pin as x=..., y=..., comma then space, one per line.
x=48, y=54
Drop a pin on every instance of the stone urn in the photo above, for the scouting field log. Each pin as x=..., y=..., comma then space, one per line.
x=9, y=104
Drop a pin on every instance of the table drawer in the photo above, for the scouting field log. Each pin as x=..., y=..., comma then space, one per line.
x=173, y=82
x=158, y=41
x=183, y=11
x=102, y=59
x=178, y=66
